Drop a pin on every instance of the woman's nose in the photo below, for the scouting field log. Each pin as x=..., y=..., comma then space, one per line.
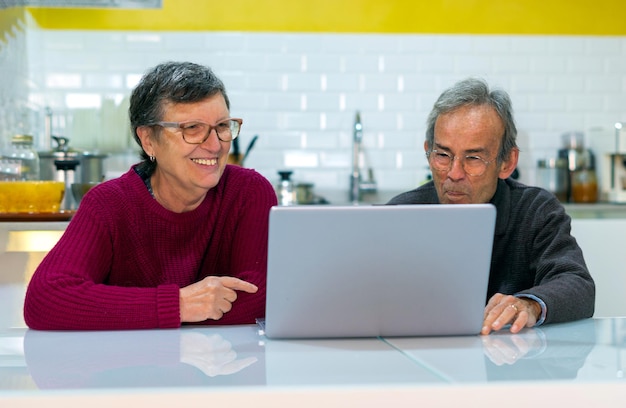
x=212, y=141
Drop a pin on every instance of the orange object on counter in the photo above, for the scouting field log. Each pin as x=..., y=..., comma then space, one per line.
x=234, y=159
x=31, y=197
x=585, y=187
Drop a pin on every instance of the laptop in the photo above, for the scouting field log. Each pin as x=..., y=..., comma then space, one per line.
x=377, y=271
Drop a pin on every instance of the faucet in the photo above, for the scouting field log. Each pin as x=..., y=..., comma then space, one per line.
x=47, y=128
x=357, y=184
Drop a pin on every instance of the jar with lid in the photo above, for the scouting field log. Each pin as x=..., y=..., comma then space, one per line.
x=22, y=150
x=10, y=170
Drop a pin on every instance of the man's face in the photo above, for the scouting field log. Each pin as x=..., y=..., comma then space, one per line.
x=469, y=131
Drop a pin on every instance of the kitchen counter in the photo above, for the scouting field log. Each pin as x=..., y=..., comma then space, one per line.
x=598, y=210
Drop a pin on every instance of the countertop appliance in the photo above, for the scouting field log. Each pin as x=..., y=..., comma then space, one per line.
x=614, y=168
x=90, y=167
x=609, y=143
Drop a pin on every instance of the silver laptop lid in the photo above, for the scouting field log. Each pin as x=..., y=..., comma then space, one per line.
x=363, y=271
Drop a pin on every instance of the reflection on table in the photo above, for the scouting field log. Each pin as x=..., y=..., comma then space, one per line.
x=127, y=359
x=588, y=350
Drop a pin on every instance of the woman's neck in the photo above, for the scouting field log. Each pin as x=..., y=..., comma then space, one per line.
x=175, y=200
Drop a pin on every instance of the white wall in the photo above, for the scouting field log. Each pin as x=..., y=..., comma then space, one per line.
x=300, y=92
x=16, y=112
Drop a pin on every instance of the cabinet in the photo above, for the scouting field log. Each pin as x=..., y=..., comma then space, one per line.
x=602, y=242
x=23, y=245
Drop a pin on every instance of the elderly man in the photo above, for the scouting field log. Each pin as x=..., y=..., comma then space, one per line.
x=538, y=273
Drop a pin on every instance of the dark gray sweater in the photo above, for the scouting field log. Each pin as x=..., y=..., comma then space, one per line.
x=533, y=250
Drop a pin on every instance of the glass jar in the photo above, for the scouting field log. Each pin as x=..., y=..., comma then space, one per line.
x=22, y=150
x=552, y=176
x=10, y=170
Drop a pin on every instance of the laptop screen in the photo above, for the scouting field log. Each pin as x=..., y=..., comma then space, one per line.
x=362, y=271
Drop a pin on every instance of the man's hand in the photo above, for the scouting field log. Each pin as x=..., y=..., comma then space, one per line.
x=504, y=309
x=508, y=349
x=211, y=297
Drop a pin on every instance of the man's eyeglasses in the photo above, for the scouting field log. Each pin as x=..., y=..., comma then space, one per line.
x=196, y=132
x=473, y=165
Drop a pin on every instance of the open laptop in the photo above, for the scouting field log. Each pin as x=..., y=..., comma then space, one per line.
x=368, y=271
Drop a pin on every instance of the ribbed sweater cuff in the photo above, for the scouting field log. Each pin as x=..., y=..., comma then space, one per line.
x=168, y=306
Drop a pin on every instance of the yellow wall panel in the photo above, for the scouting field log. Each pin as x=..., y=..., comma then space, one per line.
x=9, y=19
x=570, y=17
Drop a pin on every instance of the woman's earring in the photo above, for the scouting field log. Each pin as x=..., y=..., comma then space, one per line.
x=152, y=159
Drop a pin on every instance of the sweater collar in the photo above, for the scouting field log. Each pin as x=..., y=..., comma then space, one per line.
x=502, y=201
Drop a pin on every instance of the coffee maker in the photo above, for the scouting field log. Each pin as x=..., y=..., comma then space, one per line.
x=614, y=168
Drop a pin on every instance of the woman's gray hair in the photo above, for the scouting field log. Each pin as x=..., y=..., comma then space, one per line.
x=473, y=91
x=170, y=82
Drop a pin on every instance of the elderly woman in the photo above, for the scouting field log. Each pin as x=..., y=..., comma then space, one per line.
x=180, y=238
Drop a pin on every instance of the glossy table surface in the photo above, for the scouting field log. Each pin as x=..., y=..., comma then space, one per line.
x=590, y=350
x=239, y=365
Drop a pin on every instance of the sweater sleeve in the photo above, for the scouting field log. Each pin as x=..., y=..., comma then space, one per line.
x=69, y=289
x=246, y=239
x=562, y=280
x=72, y=289
x=123, y=258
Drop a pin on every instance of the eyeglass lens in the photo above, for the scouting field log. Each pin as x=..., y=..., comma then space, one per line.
x=472, y=165
x=198, y=132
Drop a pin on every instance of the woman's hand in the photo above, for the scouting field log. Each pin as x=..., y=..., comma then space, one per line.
x=211, y=297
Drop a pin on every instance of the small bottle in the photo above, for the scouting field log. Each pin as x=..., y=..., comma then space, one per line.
x=285, y=190
x=22, y=150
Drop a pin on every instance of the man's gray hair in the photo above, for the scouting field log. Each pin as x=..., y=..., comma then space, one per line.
x=474, y=91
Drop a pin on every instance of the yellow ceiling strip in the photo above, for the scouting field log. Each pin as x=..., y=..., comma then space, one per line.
x=570, y=17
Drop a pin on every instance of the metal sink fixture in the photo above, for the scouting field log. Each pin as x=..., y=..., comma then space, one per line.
x=359, y=185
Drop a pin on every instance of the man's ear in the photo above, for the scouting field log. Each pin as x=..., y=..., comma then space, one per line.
x=507, y=167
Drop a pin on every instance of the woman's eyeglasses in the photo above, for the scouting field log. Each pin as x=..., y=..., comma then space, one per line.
x=196, y=132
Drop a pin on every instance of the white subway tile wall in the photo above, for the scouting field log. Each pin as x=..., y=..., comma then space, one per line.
x=15, y=108
x=300, y=92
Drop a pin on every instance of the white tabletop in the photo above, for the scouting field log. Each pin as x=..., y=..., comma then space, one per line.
x=237, y=365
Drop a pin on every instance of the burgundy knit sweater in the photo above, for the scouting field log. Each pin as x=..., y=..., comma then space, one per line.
x=123, y=257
